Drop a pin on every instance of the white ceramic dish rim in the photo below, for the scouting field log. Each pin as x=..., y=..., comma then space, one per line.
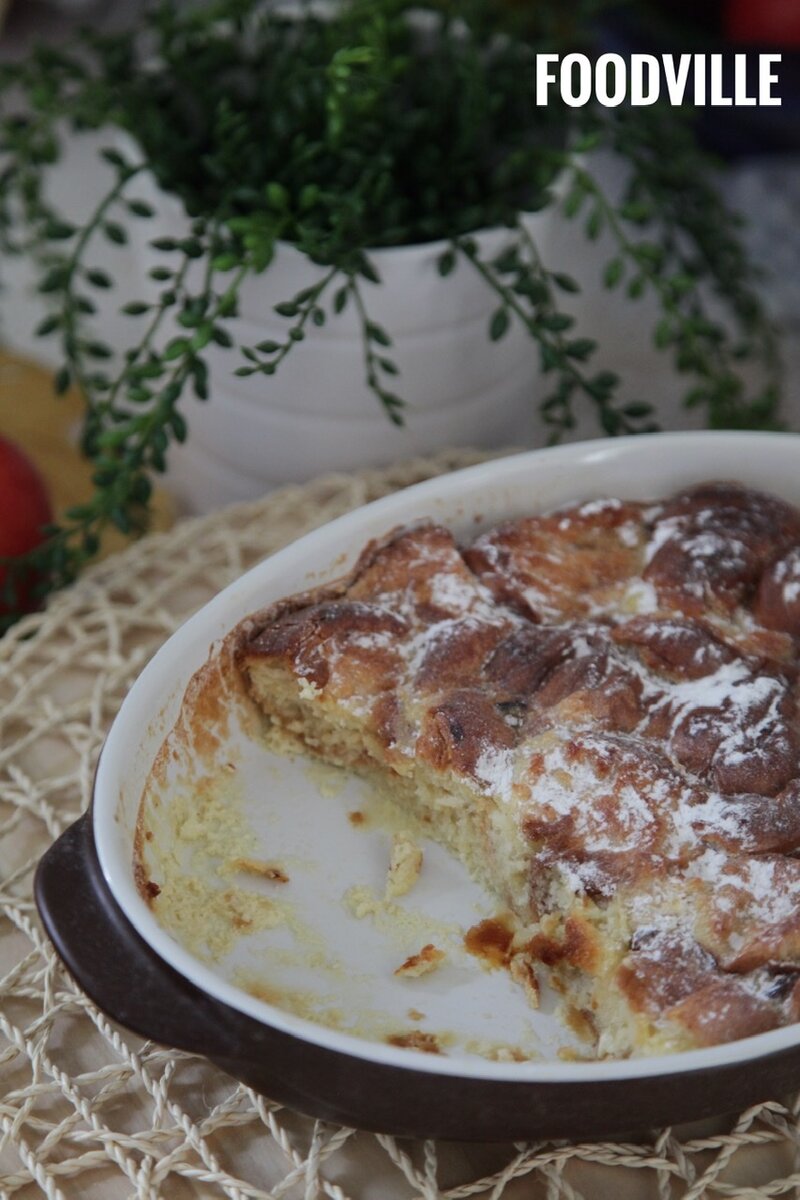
x=324, y=546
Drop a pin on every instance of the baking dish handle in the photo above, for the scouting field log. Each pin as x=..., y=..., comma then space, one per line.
x=115, y=966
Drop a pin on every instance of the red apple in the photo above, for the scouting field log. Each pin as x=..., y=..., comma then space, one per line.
x=24, y=510
x=764, y=22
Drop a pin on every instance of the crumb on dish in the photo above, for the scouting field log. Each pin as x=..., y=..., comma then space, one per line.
x=405, y=864
x=416, y=1039
x=262, y=870
x=422, y=963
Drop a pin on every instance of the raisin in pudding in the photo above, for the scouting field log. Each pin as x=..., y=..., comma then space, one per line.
x=596, y=710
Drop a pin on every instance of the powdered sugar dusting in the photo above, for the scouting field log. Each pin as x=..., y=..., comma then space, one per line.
x=628, y=534
x=762, y=892
x=593, y=508
x=456, y=594
x=494, y=769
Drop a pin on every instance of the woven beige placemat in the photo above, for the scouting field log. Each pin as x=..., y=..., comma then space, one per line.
x=88, y=1111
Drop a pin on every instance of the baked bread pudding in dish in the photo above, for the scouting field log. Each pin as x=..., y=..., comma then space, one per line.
x=596, y=710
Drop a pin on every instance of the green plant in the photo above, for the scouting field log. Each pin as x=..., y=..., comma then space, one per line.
x=360, y=129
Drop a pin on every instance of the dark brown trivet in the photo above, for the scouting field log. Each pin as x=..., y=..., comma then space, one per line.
x=139, y=990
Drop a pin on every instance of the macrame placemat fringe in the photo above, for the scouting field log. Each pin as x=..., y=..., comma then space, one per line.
x=88, y=1111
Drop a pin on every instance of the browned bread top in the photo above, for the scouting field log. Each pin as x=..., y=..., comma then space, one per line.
x=624, y=676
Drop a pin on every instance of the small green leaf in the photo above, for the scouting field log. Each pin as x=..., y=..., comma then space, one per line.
x=580, y=348
x=594, y=225
x=202, y=336
x=369, y=271
x=121, y=519
x=499, y=323
x=681, y=284
x=179, y=426
x=605, y=381
x=277, y=196
x=507, y=261
x=309, y=195
x=115, y=233
x=650, y=254
x=340, y=300
x=565, y=282
x=62, y=381
x=55, y=279
x=377, y=333
x=200, y=379
x=587, y=141
x=140, y=209
x=229, y=304
x=696, y=396
x=574, y=201
x=142, y=489
x=446, y=262
x=637, y=408
x=152, y=370
x=113, y=157
x=638, y=212
x=191, y=247
x=613, y=272
x=225, y=262
x=558, y=322
x=175, y=348
x=663, y=333
x=610, y=420
x=58, y=231
x=48, y=325
x=549, y=357
x=136, y=308
x=98, y=279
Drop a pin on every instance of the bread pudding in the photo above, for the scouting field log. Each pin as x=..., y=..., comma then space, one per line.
x=596, y=710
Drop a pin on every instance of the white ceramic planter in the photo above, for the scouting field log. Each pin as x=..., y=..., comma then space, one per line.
x=316, y=413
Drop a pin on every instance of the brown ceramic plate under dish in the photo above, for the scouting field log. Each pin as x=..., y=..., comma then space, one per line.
x=306, y=1008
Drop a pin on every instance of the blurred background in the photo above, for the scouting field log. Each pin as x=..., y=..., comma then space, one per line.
x=758, y=149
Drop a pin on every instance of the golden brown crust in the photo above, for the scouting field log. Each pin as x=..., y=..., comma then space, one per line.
x=777, y=603
x=714, y=542
x=620, y=680
x=549, y=567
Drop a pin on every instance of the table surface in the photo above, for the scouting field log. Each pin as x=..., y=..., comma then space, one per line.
x=88, y=1111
